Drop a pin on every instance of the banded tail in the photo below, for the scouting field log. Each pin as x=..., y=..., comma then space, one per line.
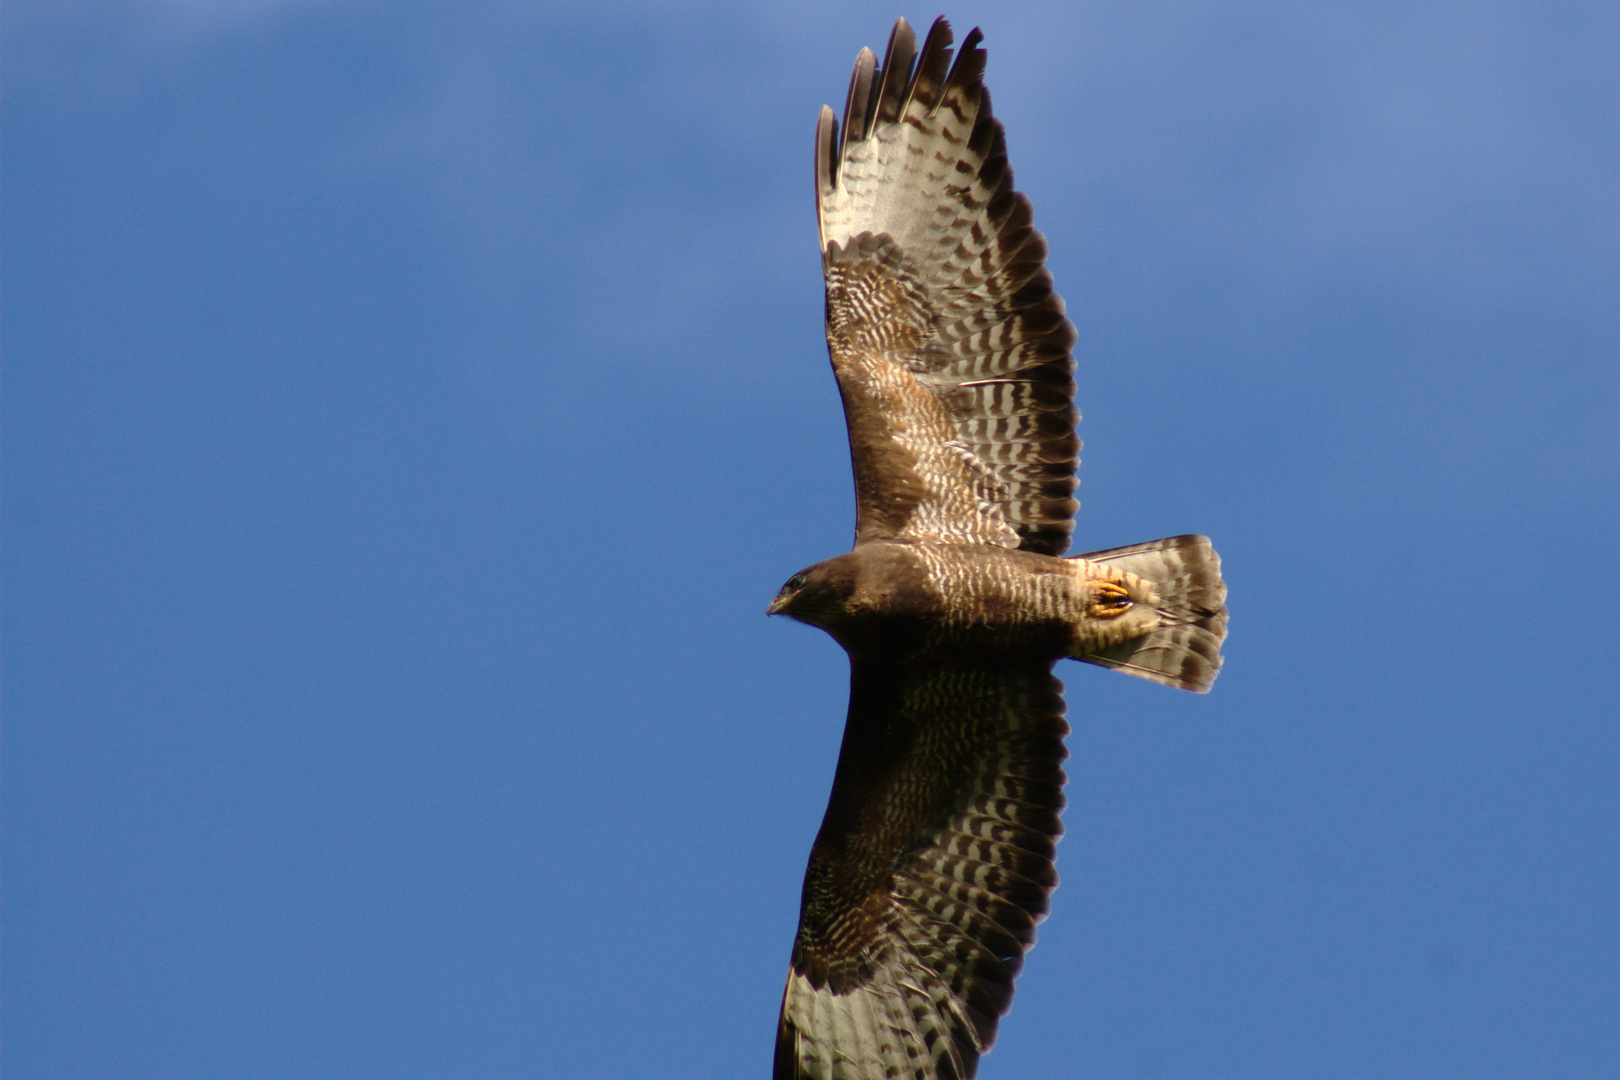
x=1184, y=650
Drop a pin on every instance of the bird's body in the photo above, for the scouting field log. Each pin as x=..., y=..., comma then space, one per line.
x=935, y=859
x=919, y=601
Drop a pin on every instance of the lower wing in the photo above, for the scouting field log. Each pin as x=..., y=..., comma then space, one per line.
x=931, y=869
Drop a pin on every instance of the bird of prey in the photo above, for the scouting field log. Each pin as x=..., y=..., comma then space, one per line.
x=935, y=859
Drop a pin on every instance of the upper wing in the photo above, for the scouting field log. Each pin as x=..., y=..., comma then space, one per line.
x=950, y=347
x=932, y=866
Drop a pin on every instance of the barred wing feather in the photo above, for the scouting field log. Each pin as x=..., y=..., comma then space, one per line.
x=949, y=343
x=931, y=869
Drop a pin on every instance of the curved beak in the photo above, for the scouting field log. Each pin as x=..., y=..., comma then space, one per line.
x=777, y=606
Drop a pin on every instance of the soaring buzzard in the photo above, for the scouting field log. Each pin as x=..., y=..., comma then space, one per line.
x=934, y=862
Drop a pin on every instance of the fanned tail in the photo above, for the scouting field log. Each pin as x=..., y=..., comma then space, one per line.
x=1184, y=650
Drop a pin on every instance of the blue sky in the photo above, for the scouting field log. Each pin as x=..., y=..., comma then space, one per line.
x=409, y=410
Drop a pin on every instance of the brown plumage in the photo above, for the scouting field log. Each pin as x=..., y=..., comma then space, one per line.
x=935, y=859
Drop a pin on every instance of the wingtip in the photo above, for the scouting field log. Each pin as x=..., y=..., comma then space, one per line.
x=933, y=66
x=896, y=71
x=858, y=101
x=970, y=61
x=826, y=160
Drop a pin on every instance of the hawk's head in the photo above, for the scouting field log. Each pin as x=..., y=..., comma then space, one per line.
x=818, y=595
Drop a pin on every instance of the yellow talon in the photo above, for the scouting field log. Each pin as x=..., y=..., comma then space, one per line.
x=1109, y=600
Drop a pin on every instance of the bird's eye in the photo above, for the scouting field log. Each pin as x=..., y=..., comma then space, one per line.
x=795, y=583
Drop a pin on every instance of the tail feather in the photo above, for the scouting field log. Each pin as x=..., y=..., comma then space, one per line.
x=1184, y=650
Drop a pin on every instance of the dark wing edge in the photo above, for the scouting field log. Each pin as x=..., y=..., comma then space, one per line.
x=914, y=192
x=932, y=867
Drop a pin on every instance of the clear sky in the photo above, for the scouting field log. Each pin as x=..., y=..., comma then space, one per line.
x=409, y=411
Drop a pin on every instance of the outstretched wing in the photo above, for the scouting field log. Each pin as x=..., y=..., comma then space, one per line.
x=950, y=347
x=932, y=867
